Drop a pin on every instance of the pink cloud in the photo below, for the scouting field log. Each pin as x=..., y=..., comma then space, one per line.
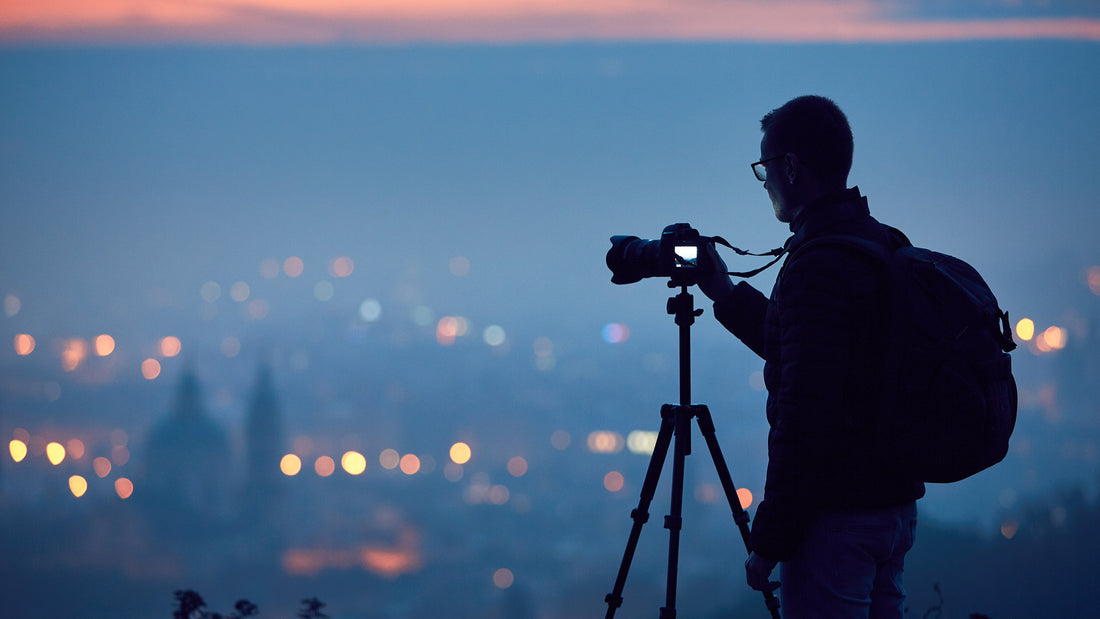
x=395, y=21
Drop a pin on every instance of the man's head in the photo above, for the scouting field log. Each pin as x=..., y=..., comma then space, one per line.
x=807, y=147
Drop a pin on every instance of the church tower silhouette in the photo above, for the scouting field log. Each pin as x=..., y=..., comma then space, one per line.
x=264, y=446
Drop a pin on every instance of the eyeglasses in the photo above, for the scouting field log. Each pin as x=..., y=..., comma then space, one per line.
x=760, y=171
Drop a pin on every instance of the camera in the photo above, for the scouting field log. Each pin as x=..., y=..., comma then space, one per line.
x=674, y=255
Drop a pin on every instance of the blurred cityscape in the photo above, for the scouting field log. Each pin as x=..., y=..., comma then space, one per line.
x=396, y=463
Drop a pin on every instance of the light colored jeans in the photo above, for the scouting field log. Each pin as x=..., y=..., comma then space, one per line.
x=850, y=565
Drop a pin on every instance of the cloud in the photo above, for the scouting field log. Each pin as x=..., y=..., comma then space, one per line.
x=402, y=21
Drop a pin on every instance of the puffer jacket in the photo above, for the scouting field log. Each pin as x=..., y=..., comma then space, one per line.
x=822, y=336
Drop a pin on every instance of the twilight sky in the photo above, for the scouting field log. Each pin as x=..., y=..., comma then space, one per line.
x=149, y=148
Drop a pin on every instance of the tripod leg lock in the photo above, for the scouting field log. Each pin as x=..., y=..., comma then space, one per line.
x=639, y=516
x=674, y=523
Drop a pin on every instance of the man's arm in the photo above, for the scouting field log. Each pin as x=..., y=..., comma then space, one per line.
x=739, y=308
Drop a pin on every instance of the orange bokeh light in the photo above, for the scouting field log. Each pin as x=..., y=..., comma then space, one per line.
x=150, y=368
x=73, y=353
x=290, y=465
x=410, y=464
x=170, y=346
x=613, y=481
x=24, y=344
x=104, y=345
x=102, y=467
x=341, y=267
x=124, y=487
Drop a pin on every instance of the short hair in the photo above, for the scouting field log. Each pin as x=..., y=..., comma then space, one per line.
x=814, y=128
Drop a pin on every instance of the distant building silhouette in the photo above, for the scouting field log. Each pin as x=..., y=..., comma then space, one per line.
x=189, y=462
x=264, y=446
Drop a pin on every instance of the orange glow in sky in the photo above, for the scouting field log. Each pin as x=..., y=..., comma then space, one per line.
x=390, y=21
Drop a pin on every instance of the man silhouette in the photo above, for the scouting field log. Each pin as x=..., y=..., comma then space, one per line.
x=839, y=524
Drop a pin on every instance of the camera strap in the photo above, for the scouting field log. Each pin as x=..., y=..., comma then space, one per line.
x=777, y=252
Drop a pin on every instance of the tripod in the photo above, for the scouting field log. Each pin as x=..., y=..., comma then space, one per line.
x=676, y=422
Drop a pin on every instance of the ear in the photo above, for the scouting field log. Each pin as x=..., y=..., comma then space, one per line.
x=793, y=167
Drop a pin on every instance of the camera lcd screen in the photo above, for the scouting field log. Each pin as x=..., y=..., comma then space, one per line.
x=687, y=255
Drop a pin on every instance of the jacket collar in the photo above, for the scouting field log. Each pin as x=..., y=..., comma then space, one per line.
x=827, y=211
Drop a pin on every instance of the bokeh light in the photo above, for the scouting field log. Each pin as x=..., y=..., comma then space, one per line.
x=101, y=466
x=1093, y=278
x=353, y=462
x=494, y=335
x=55, y=453
x=605, y=442
x=641, y=442
x=124, y=487
x=460, y=453
x=120, y=455
x=104, y=345
x=78, y=485
x=170, y=346
x=324, y=291
x=560, y=440
x=17, y=449
x=12, y=305
x=290, y=465
x=410, y=464
x=24, y=344
x=74, y=352
x=370, y=310
x=150, y=368
x=239, y=291
x=616, y=333
x=503, y=578
x=341, y=267
x=517, y=466
x=744, y=496
x=613, y=481
x=269, y=268
x=1055, y=338
x=75, y=448
x=324, y=466
x=293, y=266
x=230, y=346
x=1025, y=329
x=210, y=292
x=389, y=459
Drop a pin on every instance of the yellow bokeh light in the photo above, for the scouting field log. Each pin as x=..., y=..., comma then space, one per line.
x=517, y=467
x=55, y=453
x=104, y=345
x=503, y=578
x=410, y=464
x=460, y=453
x=353, y=462
x=1025, y=329
x=78, y=485
x=641, y=442
x=74, y=352
x=290, y=465
x=124, y=487
x=324, y=466
x=76, y=448
x=170, y=346
x=150, y=368
x=389, y=459
x=613, y=481
x=17, y=449
x=24, y=344
x=101, y=466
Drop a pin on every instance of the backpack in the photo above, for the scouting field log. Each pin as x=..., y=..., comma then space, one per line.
x=949, y=399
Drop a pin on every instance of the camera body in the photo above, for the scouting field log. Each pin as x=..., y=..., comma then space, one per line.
x=674, y=255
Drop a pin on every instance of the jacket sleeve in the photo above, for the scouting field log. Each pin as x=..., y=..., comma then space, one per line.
x=816, y=311
x=743, y=315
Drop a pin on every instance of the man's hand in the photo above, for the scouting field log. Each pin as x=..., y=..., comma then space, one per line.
x=759, y=570
x=714, y=279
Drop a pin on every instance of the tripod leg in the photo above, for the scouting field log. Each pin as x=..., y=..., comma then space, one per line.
x=674, y=521
x=740, y=516
x=641, y=514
